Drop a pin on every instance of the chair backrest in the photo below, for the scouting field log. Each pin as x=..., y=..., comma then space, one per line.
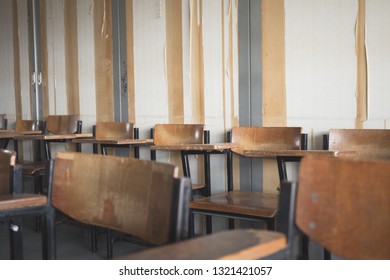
x=27, y=125
x=344, y=205
x=368, y=143
x=62, y=124
x=3, y=121
x=261, y=138
x=114, y=130
x=7, y=159
x=174, y=134
x=139, y=197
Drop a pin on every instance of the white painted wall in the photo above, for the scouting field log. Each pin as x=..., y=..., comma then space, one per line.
x=212, y=52
x=320, y=65
x=150, y=79
x=213, y=85
x=150, y=83
x=234, y=94
x=56, y=57
x=378, y=63
x=86, y=53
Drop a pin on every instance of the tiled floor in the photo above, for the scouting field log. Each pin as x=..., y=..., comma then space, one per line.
x=73, y=243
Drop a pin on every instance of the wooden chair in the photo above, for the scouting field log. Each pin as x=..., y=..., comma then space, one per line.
x=36, y=169
x=342, y=204
x=190, y=139
x=23, y=126
x=173, y=134
x=55, y=124
x=110, y=131
x=166, y=135
x=367, y=143
x=28, y=125
x=8, y=161
x=15, y=205
x=114, y=130
x=238, y=204
x=61, y=124
x=139, y=197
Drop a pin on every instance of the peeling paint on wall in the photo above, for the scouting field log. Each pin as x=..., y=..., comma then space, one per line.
x=103, y=61
x=56, y=57
x=274, y=86
x=174, y=60
x=197, y=61
x=273, y=56
x=361, y=54
x=71, y=56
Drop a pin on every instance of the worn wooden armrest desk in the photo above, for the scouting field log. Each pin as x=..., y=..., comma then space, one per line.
x=13, y=132
x=207, y=148
x=37, y=165
x=283, y=156
x=48, y=137
x=10, y=134
x=114, y=143
x=248, y=244
x=52, y=138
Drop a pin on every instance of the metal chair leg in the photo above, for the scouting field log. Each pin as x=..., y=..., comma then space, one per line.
x=16, y=239
x=94, y=239
x=191, y=225
x=109, y=244
x=49, y=248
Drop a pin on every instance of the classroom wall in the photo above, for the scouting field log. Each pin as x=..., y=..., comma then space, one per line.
x=378, y=63
x=325, y=64
x=321, y=65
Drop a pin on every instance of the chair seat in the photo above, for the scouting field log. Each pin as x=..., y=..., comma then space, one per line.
x=225, y=245
x=15, y=201
x=197, y=186
x=240, y=202
x=31, y=168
